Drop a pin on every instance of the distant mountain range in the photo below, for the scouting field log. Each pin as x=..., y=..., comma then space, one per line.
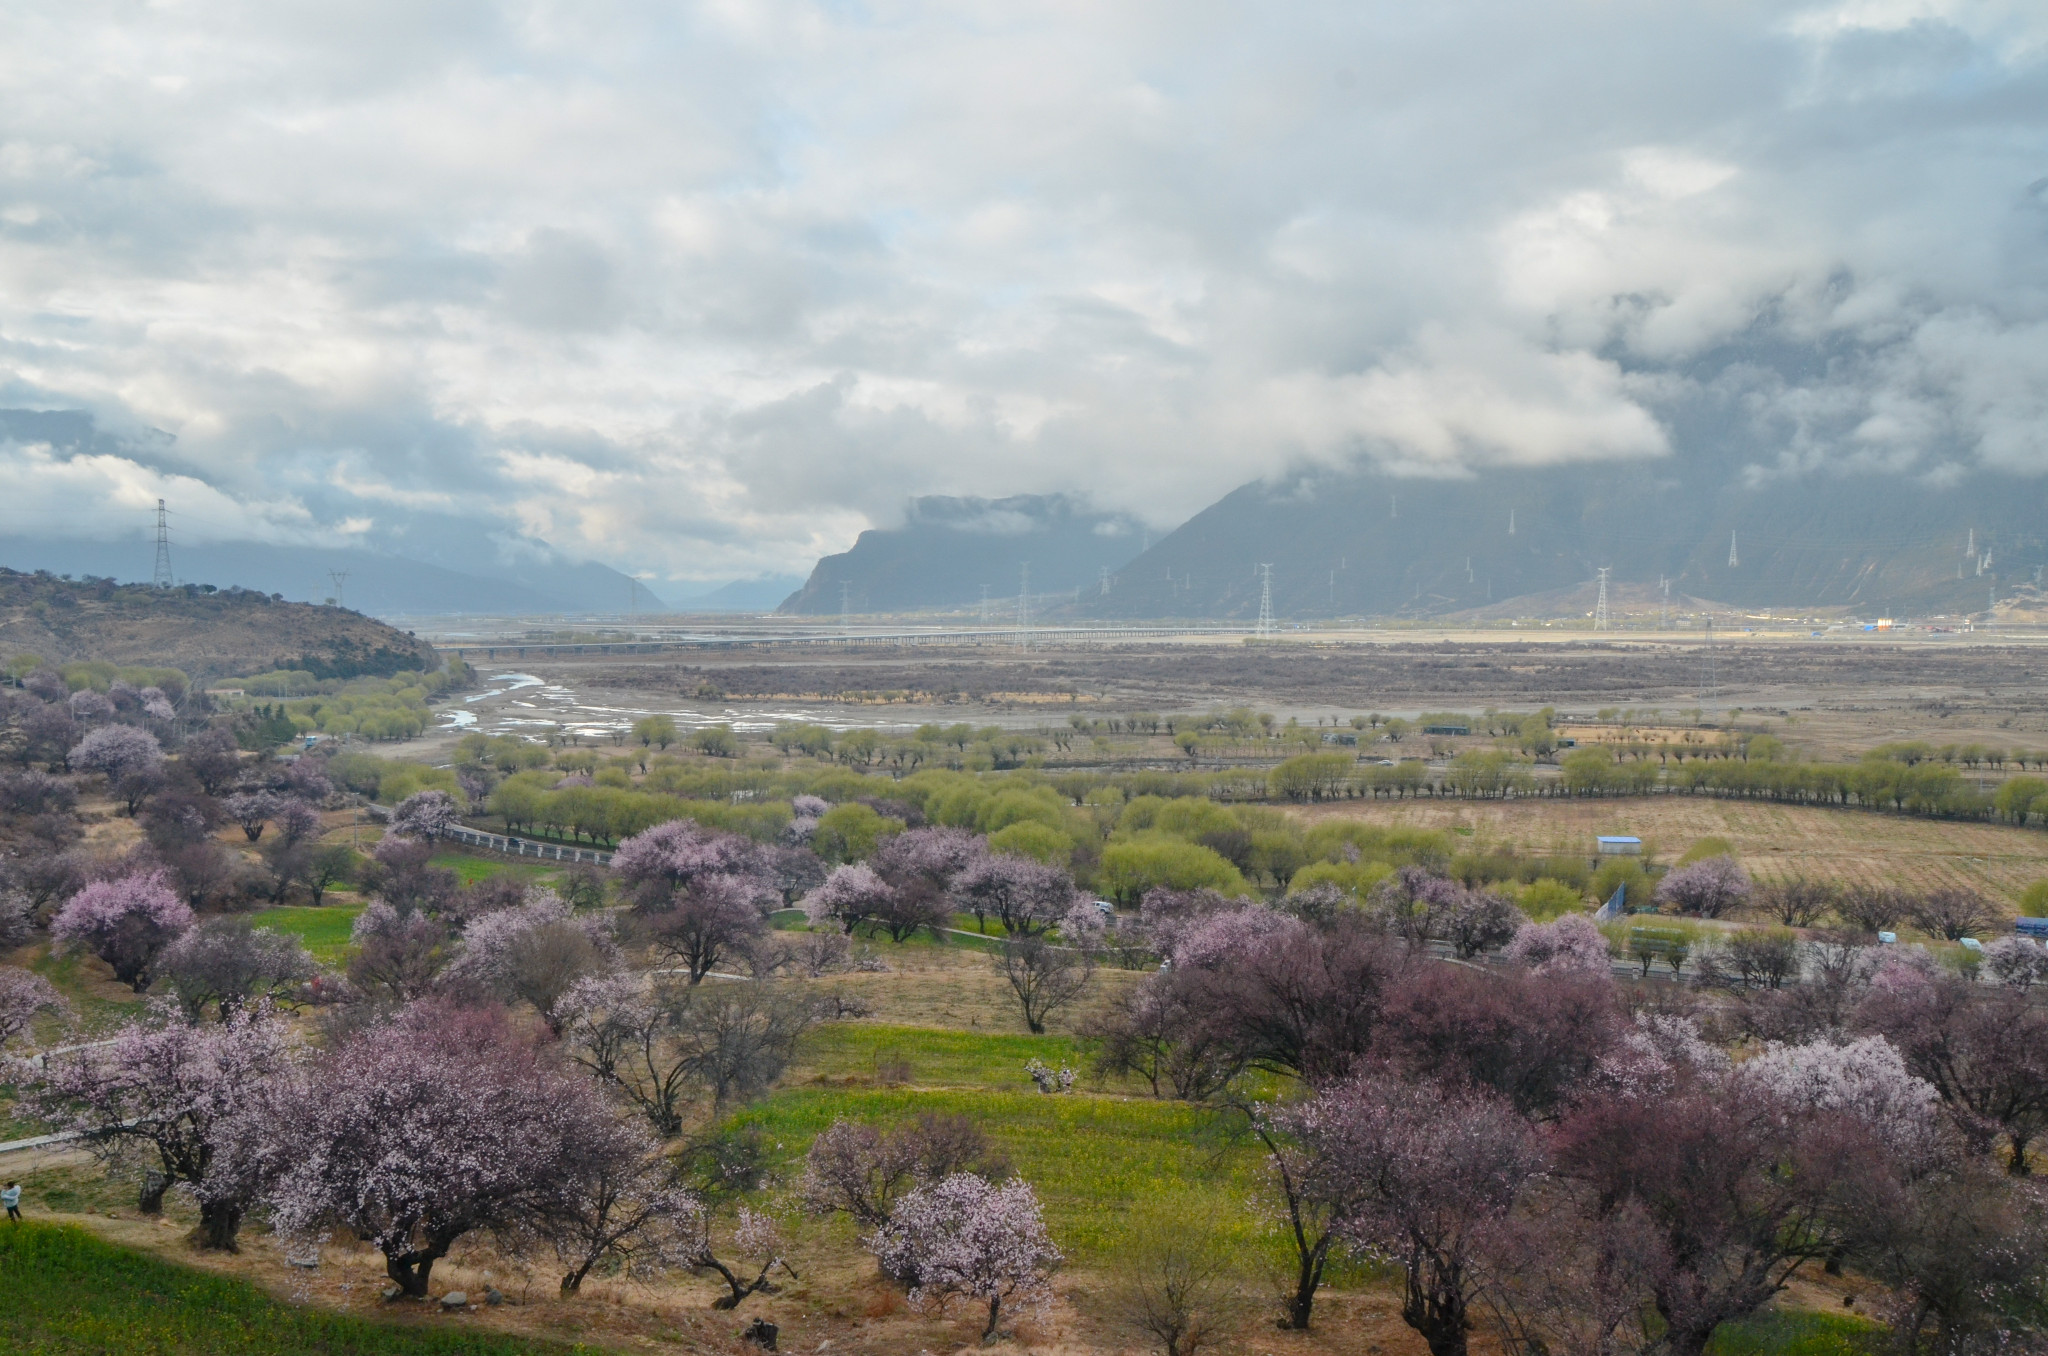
x=953, y=552
x=416, y=563
x=1367, y=544
x=741, y=595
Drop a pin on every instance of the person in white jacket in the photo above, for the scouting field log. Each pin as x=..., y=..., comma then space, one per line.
x=11, y=1198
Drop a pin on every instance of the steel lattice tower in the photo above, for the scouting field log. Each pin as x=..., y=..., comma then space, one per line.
x=1266, y=600
x=1600, y=608
x=1024, y=606
x=161, y=577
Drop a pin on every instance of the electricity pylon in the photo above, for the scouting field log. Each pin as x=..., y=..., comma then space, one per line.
x=161, y=576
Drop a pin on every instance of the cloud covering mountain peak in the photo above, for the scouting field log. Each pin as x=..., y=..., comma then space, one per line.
x=704, y=290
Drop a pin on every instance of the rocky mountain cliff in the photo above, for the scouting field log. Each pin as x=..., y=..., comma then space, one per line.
x=950, y=549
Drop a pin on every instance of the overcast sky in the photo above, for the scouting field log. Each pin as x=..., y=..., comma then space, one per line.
x=701, y=290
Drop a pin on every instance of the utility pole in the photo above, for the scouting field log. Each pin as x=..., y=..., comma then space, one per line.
x=984, y=605
x=1732, y=561
x=1600, y=608
x=1265, y=601
x=161, y=576
x=845, y=604
x=1511, y=522
x=340, y=578
x=1024, y=606
x=1664, y=608
x=1105, y=581
x=1707, y=683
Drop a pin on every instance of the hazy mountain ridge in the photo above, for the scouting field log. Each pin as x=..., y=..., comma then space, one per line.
x=1376, y=545
x=950, y=548
x=407, y=562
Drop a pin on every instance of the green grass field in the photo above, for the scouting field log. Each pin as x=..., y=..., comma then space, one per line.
x=324, y=931
x=66, y=1292
x=67, y=971
x=471, y=867
x=1792, y=1333
x=1091, y=1158
x=936, y=1058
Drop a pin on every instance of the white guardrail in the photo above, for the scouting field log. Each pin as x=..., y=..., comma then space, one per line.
x=520, y=847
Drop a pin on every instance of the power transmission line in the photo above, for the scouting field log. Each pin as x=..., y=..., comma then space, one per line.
x=1265, y=600
x=161, y=576
x=1600, y=608
x=1707, y=680
x=1024, y=606
x=340, y=577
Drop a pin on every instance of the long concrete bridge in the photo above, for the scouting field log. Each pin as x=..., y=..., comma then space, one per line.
x=1010, y=636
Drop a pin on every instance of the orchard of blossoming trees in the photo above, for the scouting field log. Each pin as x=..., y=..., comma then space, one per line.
x=1427, y=1079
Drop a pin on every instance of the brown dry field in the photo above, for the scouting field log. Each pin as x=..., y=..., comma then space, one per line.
x=1830, y=699
x=1852, y=847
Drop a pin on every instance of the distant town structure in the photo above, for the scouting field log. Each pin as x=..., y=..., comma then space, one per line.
x=1619, y=845
x=1447, y=729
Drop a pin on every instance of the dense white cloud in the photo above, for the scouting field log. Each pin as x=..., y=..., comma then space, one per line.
x=703, y=289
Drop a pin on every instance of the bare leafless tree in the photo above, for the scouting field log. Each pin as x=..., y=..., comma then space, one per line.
x=1044, y=977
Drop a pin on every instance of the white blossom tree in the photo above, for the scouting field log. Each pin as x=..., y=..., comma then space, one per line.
x=962, y=1238
x=25, y=996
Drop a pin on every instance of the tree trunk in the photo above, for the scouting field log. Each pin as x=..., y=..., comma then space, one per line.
x=995, y=1314
x=2016, y=1164
x=1438, y=1319
x=410, y=1271
x=218, y=1224
x=1308, y=1279
x=150, y=1201
x=1684, y=1342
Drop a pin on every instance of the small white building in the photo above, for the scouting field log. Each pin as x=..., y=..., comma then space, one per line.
x=1619, y=845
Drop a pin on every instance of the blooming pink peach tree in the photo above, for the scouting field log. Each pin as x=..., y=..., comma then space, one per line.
x=850, y=895
x=442, y=1123
x=176, y=1088
x=425, y=815
x=126, y=922
x=1566, y=944
x=25, y=996
x=1707, y=888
